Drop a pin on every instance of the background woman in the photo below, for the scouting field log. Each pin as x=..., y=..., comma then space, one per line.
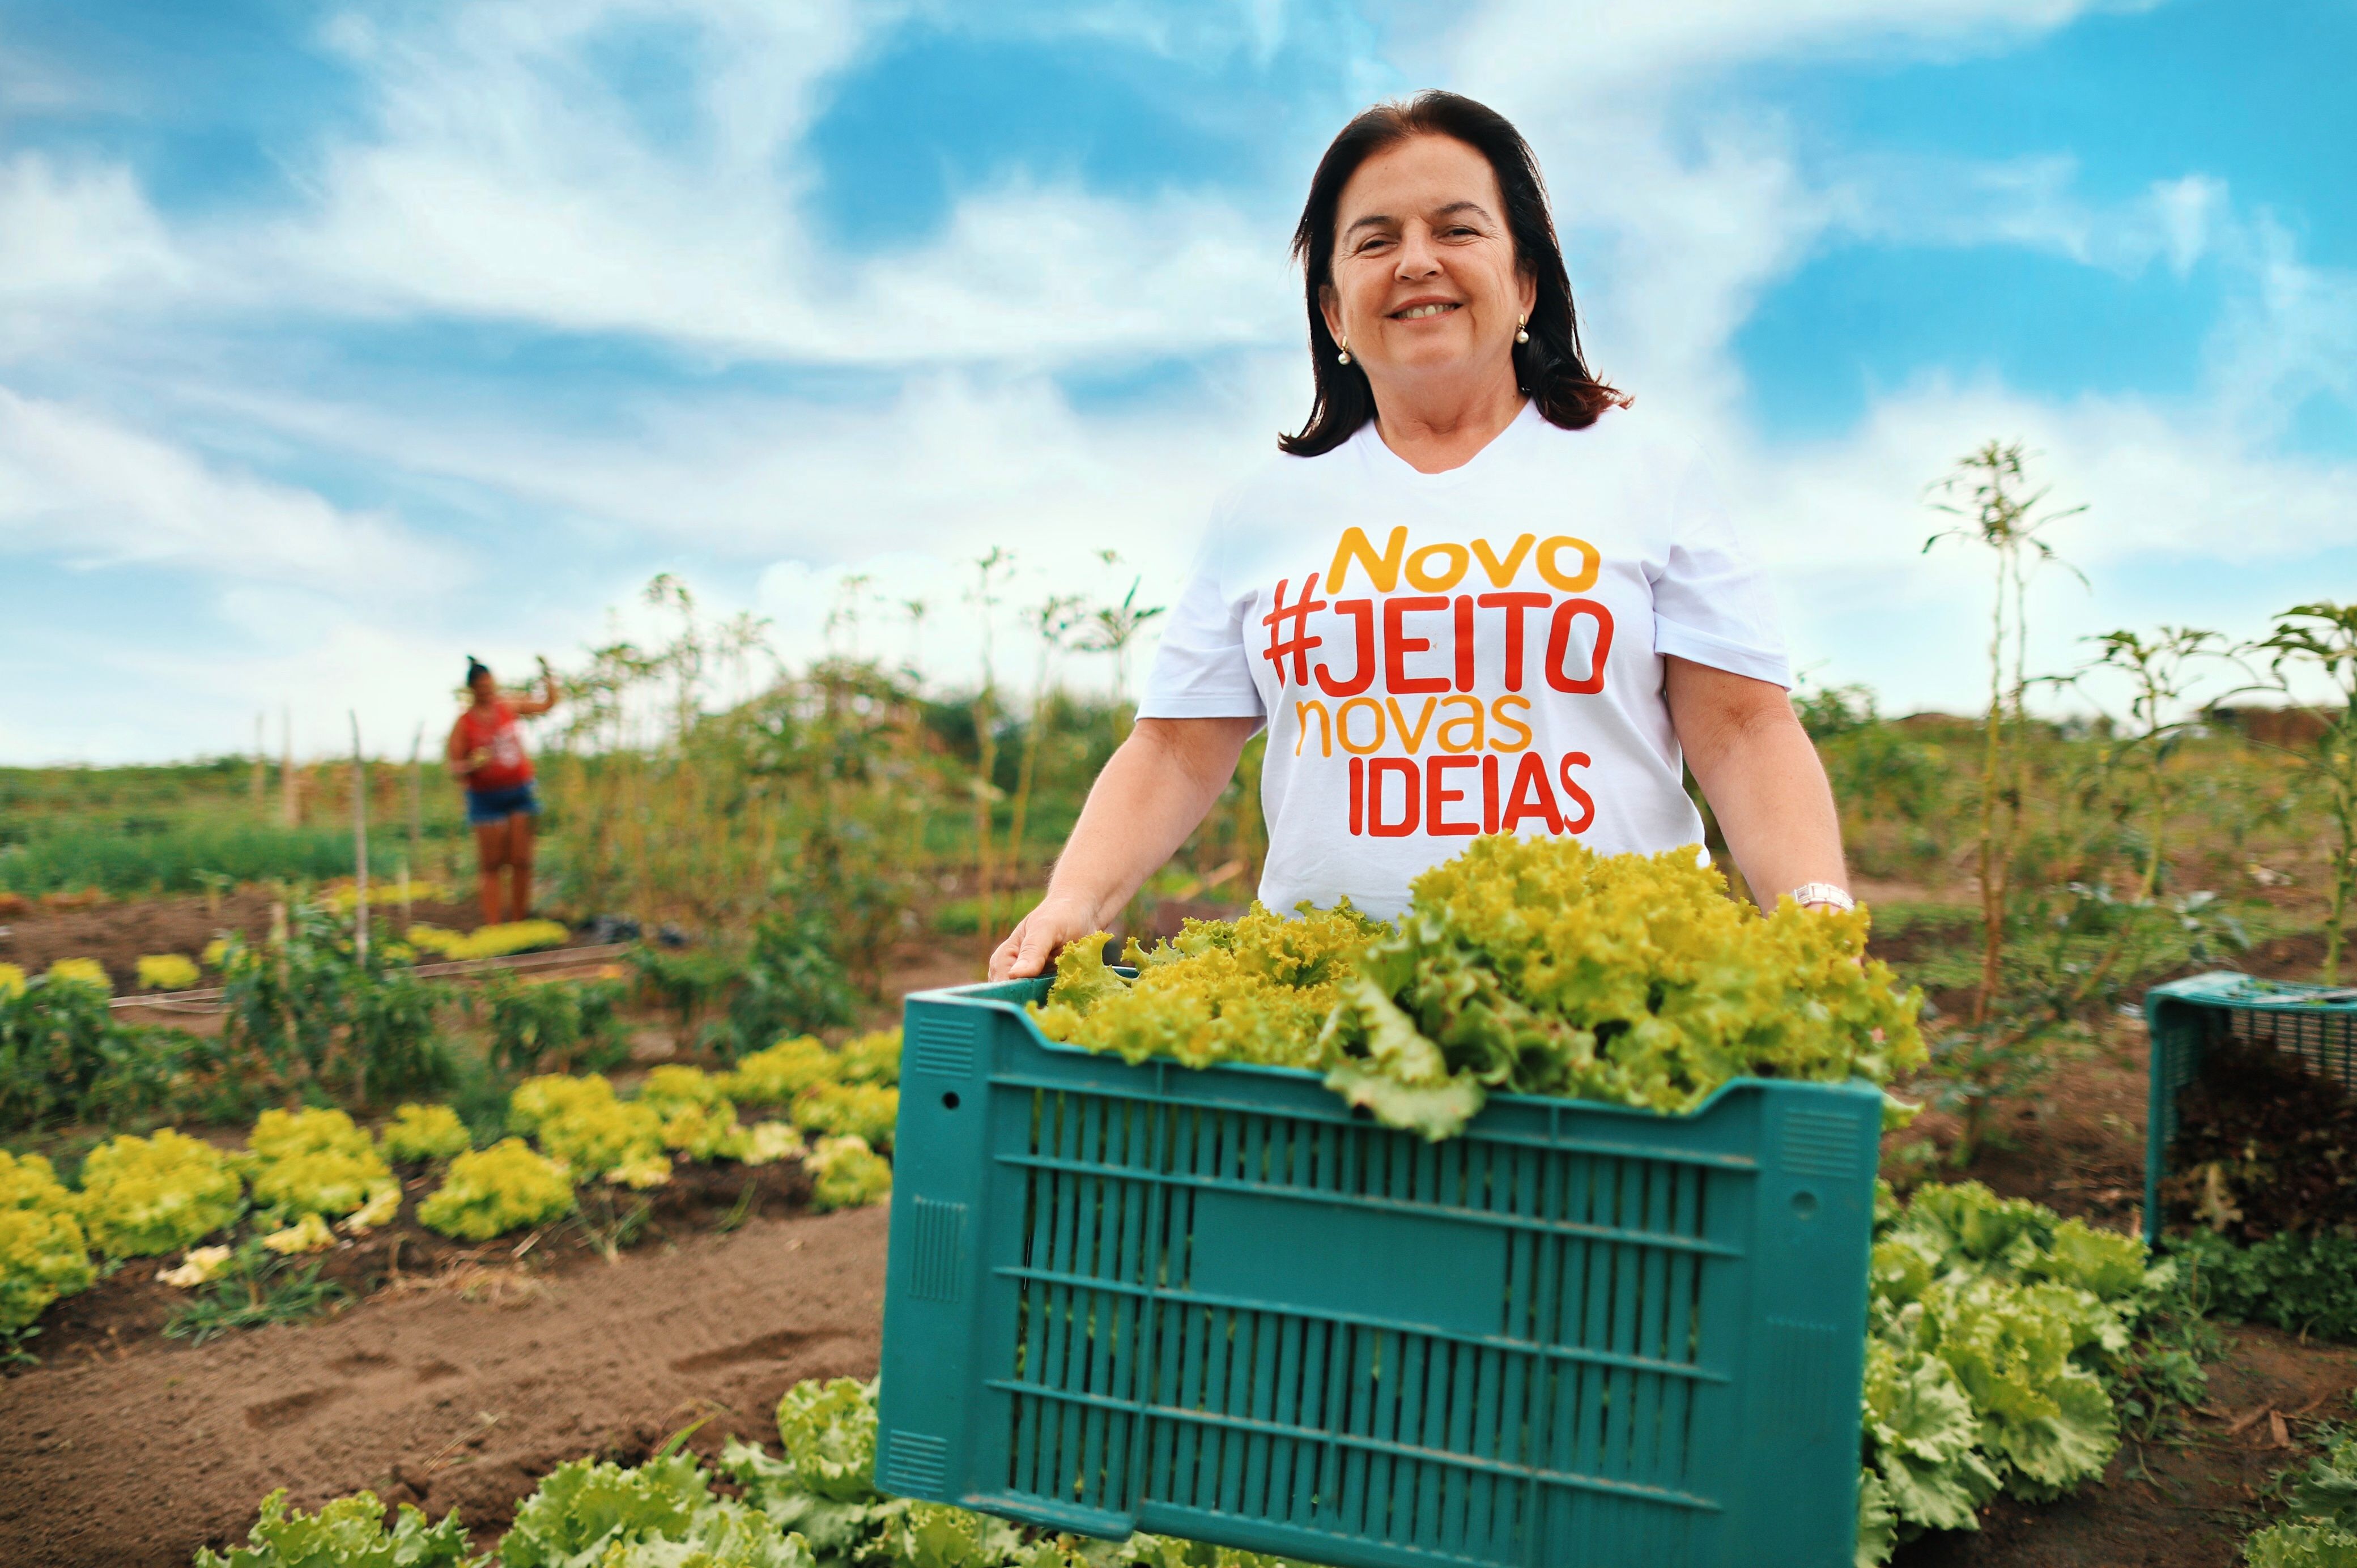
x=487, y=754
x=1477, y=595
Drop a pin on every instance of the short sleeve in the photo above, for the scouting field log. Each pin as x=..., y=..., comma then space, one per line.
x=1711, y=603
x=1202, y=671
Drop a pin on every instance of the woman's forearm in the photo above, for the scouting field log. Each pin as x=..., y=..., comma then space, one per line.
x=1153, y=792
x=1761, y=774
x=1770, y=795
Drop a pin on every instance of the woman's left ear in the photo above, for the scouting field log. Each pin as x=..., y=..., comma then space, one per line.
x=1526, y=281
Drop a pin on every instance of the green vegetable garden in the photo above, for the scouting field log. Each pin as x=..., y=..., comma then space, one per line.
x=278, y=1117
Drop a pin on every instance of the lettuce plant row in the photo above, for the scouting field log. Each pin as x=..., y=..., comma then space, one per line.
x=301, y=1170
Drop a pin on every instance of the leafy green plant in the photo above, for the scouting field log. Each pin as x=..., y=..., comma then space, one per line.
x=146, y=1196
x=1989, y=484
x=773, y=1077
x=43, y=1254
x=419, y=1132
x=2319, y=641
x=846, y=1174
x=2161, y=673
x=703, y=1131
x=2319, y=1528
x=168, y=972
x=2299, y=1283
x=823, y=1488
x=554, y=1025
x=873, y=1058
x=676, y=1086
x=2301, y=1546
x=64, y=1056
x=314, y=1162
x=586, y=1509
x=490, y=1191
x=611, y=1221
x=346, y=1532
x=867, y=1111
x=1999, y=1334
x=312, y=1009
x=691, y=982
x=582, y=1123
x=791, y=985
x=259, y=1286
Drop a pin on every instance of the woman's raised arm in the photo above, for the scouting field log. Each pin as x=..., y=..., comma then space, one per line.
x=1151, y=795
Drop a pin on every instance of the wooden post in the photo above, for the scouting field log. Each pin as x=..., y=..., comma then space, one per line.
x=359, y=845
x=286, y=809
x=416, y=812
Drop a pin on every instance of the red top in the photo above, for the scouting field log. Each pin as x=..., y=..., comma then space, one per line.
x=497, y=733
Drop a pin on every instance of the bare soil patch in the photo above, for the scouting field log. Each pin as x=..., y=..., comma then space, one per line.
x=453, y=1393
x=118, y=934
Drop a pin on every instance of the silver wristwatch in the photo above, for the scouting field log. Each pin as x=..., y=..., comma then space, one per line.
x=1825, y=893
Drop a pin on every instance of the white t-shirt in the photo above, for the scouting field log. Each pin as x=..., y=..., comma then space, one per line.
x=1441, y=655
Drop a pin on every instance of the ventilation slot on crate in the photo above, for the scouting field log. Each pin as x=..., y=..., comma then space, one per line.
x=941, y=1047
x=934, y=1255
x=918, y=1463
x=1820, y=1144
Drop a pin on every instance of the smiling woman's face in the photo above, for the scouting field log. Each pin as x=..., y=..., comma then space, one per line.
x=1426, y=283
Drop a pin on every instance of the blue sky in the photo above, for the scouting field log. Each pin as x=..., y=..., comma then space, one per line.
x=338, y=343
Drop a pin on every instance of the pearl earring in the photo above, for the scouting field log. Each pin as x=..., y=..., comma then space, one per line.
x=1522, y=330
x=1344, y=357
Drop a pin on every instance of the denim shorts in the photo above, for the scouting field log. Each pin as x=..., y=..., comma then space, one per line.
x=485, y=807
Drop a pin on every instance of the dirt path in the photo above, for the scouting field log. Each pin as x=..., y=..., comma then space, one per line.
x=432, y=1397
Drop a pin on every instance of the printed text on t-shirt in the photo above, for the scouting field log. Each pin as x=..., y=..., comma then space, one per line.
x=1347, y=662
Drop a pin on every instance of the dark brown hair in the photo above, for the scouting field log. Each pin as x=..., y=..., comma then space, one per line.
x=1549, y=367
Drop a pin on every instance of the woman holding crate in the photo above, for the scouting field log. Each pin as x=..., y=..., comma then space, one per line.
x=1476, y=593
x=486, y=754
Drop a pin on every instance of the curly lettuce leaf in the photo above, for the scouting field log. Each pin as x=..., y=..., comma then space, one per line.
x=346, y=1532
x=586, y=1508
x=2301, y=1546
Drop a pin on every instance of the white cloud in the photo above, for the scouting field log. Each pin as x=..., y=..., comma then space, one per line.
x=1578, y=49
x=502, y=178
x=76, y=239
x=2290, y=333
x=77, y=486
x=2155, y=480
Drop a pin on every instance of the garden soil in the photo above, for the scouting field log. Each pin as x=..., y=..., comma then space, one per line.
x=119, y=933
x=457, y=1394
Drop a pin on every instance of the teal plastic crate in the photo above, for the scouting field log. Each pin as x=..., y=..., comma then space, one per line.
x=1219, y=1305
x=2317, y=1024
